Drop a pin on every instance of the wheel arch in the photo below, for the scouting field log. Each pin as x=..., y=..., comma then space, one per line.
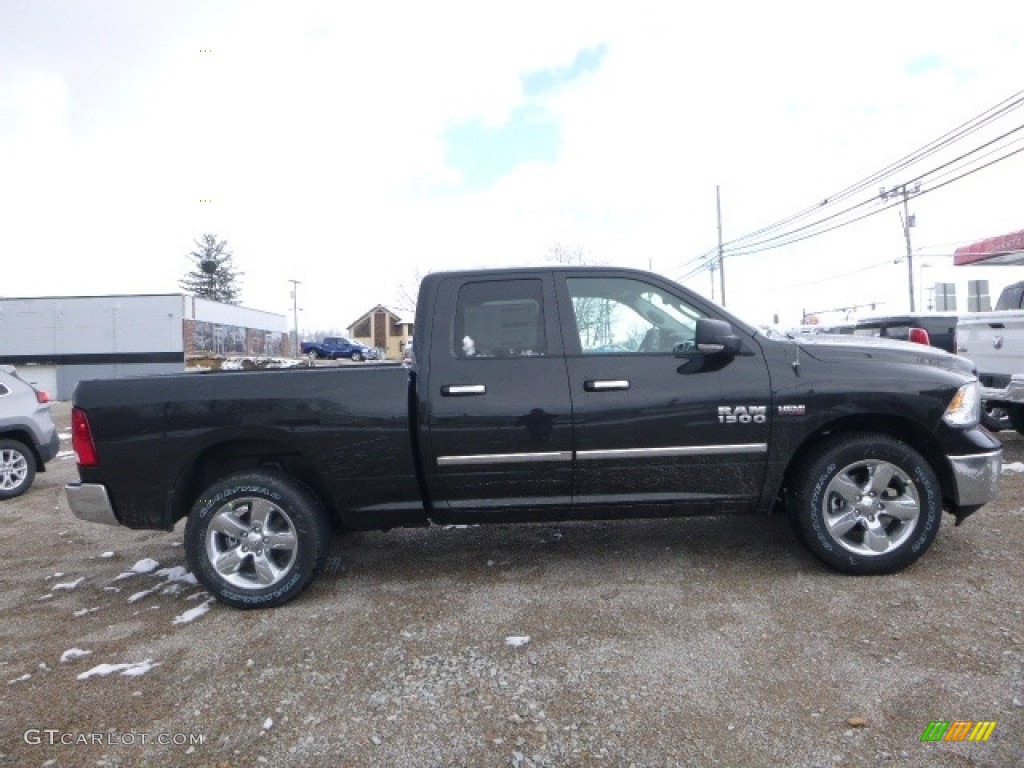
x=890, y=426
x=26, y=438
x=238, y=455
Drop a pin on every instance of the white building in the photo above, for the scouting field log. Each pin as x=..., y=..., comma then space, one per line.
x=92, y=337
x=944, y=287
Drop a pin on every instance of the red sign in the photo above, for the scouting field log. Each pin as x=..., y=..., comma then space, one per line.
x=1005, y=249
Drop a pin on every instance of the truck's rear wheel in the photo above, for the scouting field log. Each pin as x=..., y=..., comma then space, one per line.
x=866, y=504
x=256, y=539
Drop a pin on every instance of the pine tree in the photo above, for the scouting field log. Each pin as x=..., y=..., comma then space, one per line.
x=213, y=276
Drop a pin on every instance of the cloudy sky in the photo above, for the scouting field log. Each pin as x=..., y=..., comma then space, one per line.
x=357, y=146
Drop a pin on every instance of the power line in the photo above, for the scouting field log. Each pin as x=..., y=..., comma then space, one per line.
x=794, y=239
x=876, y=211
x=965, y=129
x=742, y=246
x=868, y=268
x=785, y=237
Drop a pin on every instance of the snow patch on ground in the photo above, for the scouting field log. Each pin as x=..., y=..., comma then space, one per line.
x=258, y=363
x=178, y=573
x=68, y=584
x=73, y=653
x=139, y=595
x=132, y=669
x=193, y=613
x=145, y=565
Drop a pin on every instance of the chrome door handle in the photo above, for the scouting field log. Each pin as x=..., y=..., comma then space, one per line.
x=605, y=385
x=459, y=390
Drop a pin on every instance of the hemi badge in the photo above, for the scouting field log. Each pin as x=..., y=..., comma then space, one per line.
x=792, y=410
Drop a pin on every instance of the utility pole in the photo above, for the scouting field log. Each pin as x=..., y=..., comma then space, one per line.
x=908, y=221
x=295, y=315
x=721, y=255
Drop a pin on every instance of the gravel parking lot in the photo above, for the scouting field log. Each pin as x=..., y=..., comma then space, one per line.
x=642, y=643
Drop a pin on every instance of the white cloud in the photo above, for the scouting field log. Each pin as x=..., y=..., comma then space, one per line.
x=317, y=129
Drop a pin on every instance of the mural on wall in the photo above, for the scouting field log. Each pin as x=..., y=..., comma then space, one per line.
x=204, y=338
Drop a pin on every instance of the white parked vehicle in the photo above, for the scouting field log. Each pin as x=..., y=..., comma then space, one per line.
x=28, y=436
x=994, y=342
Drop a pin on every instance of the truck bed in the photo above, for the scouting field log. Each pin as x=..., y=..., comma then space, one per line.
x=345, y=431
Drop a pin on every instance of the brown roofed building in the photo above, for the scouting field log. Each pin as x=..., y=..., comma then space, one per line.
x=384, y=329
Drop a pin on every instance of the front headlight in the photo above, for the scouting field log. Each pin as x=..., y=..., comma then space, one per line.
x=964, y=410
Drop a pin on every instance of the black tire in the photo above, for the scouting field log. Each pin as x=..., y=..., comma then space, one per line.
x=17, y=468
x=357, y=357
x=256, y=539
x=866, y=504
x=995, y=418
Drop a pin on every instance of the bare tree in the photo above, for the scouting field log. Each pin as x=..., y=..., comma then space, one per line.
x=593, y=315
x=408, y=293
x=561, y=254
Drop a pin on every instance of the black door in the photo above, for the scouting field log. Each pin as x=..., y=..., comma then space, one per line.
x=499, y=422
x=656, y=421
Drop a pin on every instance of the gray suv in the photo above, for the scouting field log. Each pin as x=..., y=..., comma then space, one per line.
x=28, y=436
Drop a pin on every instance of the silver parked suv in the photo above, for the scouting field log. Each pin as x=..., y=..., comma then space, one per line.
x=28, y=436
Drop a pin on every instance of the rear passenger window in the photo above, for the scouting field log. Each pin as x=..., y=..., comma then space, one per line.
x=500, y=318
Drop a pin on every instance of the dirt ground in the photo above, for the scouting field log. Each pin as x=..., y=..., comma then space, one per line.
x=715, y=642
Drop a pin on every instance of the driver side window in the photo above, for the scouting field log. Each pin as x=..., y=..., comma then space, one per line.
x=617, y=315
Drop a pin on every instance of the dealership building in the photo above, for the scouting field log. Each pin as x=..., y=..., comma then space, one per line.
x=60, y=340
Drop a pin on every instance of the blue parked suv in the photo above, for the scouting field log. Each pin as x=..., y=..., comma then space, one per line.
x=28, y=436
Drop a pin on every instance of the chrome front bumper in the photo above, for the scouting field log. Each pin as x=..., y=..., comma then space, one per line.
x=977, y=477
x=90, y=502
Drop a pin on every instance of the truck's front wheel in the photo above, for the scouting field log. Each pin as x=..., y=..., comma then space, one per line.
x=866, y=504
x=256, y=539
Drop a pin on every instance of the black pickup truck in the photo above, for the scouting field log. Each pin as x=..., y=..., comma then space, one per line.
x=542, y=394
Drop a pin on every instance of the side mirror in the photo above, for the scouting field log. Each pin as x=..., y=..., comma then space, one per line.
x=716, y=337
